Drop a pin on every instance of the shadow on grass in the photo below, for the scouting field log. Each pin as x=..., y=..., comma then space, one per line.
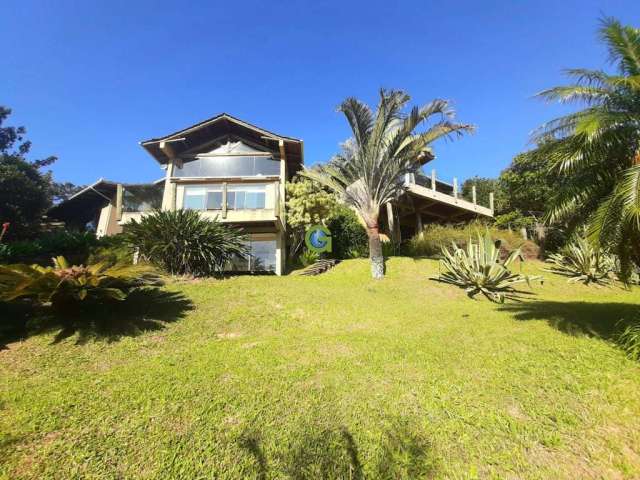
x=144, y=310
x=600, y=320
x=330, y=453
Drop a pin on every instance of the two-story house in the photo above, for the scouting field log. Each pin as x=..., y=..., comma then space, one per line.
x=236, y=172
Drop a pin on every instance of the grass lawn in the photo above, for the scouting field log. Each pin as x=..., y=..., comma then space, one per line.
x=336, y=376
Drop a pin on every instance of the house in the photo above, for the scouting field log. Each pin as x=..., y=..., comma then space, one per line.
x=236, y=172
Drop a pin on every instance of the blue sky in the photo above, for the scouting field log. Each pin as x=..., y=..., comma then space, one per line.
x=91, y=79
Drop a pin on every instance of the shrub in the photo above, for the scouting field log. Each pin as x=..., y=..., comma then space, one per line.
x=60, y=243
x=582, y=263
x=184, y=243
x=436, y=237
x=308, y=257
x=112, y=249
x=629, y=341
x=478, y=269
x=64, y=286
x=349, y=238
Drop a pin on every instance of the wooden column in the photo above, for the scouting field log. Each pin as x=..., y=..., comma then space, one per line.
x=455, y=187
x=119, y=195
x=419, y=226
x=433, y=180
x=491, y=202
x=473, y=194
x=224, y=199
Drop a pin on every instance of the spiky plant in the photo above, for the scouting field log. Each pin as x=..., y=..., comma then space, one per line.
x=596, y=151
x=64, y=285
x=478, y=269
x=629, y=340
x=182, y=242
x=582, y=262
x=385, y=146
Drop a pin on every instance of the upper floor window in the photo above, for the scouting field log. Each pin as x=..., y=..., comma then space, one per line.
x=239, y=196
x=229, y=166
x=142, y=198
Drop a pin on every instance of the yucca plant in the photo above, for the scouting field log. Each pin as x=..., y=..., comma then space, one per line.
x=308, y=257
x=478, y=269
x=582, y=262
x=182, y=242
x=64, y=285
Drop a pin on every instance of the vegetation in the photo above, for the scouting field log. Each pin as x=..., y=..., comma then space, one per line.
x=584, y=263
x=182, y=242
x=25, y=192
x=331, y=376
x=385, y=146
x=77, y=245
x=594, y=152
x=629, y=340
x=308, y=257
x=349, y=237
x=307, y=204
x=65, y=287
x=478, y=269
x=435, y=237
x=484, y=187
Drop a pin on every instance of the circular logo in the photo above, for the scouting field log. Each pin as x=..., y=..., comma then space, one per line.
x=318, y=239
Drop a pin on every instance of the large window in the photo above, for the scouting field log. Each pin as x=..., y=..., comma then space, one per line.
x=261, y=258
x=208, y=197
x=239, y=197
x=246, y=196
x=142, y=198
x=229, y=166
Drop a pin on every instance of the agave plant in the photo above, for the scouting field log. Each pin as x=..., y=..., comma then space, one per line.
x=63, y=285
x=478, y=269
x=582, y=263
x=182, y=242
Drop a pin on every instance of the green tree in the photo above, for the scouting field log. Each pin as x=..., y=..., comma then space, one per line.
x=527, y=185
x=25, y=192
x=484, y=186
x=595, y=151
x=307, y=204
x=384, y=147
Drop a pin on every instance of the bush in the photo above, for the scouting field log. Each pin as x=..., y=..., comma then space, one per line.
x=582, y=263
x=349, y=237
x=478, y=269
x=112, y=249
x=629, y=341
x=308, y=257
x=76, y=245
x=436, y=237
x=183, y=243
x=64, y=287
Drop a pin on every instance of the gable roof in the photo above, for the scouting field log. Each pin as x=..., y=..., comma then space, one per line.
x=219, y=130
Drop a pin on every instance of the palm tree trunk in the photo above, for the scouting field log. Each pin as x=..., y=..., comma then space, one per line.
x=375, y=252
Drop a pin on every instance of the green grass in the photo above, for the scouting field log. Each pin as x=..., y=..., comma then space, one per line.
x=336, y=376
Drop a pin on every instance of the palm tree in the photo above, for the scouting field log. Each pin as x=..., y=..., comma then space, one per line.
x=385, y=146
x=596, y=151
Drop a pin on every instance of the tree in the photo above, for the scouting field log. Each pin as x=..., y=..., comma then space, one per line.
x=25, y=192
x=307, y=204
x=385, y=146
x=595, y=151
x=484, y=186
x=527, y=185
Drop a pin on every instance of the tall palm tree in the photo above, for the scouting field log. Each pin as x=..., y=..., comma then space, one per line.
x=596, y=151
x=385, y=146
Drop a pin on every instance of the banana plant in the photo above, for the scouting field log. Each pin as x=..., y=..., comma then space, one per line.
x=479, y=269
